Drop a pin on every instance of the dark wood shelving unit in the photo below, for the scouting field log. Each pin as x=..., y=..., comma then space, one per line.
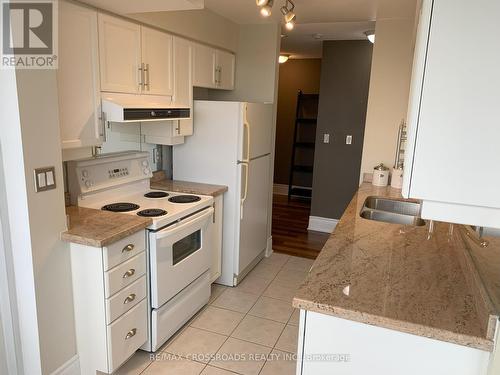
x=306, y=118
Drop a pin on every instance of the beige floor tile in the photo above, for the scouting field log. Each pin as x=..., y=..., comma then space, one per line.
x=301, y=261
x=209, y=370
x=253, y=284
x=136, y=364
x=295, y=318
x=242, y=357
x=266, y=271
x=301, y=266
x=279, y=363
x=196, y=344
x=290, y=278
x=280, y=291
x=270, y=308
x=276, y=258
x=289, y=339
x=217, y=320
x=174, y=366
x=216, y=291
x=258, y=330
x=233, y=299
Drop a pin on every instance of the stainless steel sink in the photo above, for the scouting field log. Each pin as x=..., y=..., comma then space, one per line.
x=394, y=211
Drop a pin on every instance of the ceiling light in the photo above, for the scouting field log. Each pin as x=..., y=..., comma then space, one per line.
x=289, y=15
x=267, y=8
x=261, y=3
x=283, y=59
x=290, y=24
x=370, y=35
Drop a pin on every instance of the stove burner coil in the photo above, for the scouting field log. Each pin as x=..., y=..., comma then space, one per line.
x=184, y=199
x=156, y=194
x=120, y=207
x=152, y=212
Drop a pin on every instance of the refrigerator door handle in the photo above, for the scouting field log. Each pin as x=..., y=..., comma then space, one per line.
x=245, y=191
x=246, y=126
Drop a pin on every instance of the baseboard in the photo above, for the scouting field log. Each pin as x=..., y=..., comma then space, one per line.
x=280, y=189
x=71, y=367
x=269, y=248
x=322, y=224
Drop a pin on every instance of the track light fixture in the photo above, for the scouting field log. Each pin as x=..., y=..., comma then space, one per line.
x=370, y=35
x=287, y=10
x=288, y=14
x=266, y=7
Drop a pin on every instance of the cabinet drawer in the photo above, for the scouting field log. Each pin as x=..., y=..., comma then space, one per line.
x=126, y=335
x=124, y=249
x=125, y=274
x=123, y=301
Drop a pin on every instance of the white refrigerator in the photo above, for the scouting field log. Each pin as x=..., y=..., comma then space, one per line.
x=231, y=146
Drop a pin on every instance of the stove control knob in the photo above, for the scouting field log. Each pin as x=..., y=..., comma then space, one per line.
x=145, y=163
x=88, y=183
x=85, y=173
x=146, y=171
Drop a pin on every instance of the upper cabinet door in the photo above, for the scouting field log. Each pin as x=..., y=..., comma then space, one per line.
x=183, y=73
x=224, y=62
x=204, y=66
x=120, y=55
x=456, y=131
x=157, y=60
x=78, y=77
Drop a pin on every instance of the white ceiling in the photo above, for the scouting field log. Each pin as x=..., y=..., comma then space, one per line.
x=142, y=6
x=334, y=19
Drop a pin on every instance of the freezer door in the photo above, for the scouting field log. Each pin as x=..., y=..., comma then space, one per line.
x=253, y=210
x=255, y=136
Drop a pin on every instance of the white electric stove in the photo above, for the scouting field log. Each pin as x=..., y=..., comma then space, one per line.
x=179, y=238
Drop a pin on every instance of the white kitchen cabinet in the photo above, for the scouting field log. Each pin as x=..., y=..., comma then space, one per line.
x=216, y=232
x=213, y=68
x=453, y=130
x=183, y=82
x=330, y=345
x=120, y=55
x=157, y=59
x=204, y=66
x=224, y=66
x=78, y=77
x=109, y=294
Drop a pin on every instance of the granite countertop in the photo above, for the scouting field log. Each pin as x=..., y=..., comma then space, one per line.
x=188, y=187
x=98, y=228
x=400, y=277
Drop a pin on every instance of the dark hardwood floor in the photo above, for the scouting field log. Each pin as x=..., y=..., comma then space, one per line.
x=290, y=234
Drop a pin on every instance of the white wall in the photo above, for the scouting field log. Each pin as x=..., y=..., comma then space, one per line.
x=389, y=82
x=201, y=25
x=36, y=220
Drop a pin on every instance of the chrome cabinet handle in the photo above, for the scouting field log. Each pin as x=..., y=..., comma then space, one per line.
x=127, y=248
x=146, y=74
x=129, y=273
x=131, y=333
x=129, y=299
x=141, y=76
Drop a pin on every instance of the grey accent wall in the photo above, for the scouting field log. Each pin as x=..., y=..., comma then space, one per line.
x=345, y=78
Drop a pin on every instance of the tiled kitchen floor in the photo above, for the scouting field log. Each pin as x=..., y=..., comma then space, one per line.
x=250, y=329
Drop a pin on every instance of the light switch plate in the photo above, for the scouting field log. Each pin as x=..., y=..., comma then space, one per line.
x=326, y=138
x=348, y=140
x=45, y=179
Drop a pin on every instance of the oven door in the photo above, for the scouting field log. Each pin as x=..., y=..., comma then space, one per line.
x=178, y=255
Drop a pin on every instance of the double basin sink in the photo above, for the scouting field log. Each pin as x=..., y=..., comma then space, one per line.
x=395, y=211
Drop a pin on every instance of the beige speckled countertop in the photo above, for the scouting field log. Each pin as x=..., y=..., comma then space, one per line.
x=188, y=187
x=394, y=276
x=100, y=228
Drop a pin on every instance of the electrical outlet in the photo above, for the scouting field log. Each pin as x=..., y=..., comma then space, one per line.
x=326, y=138
x=348, y=140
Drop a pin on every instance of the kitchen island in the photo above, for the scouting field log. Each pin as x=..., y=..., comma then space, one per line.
x=390, y=299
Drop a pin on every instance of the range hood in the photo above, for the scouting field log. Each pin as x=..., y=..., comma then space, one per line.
x=135, y=108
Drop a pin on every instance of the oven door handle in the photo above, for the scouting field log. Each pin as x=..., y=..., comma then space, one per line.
x=188, y=222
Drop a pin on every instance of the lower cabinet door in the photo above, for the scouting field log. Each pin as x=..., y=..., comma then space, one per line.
x=125, y=300
x=126, y=335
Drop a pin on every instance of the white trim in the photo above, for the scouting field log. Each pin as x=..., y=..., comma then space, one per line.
x=269, y=247
x=322, y=224
x=280, y=189
x=71, y=367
